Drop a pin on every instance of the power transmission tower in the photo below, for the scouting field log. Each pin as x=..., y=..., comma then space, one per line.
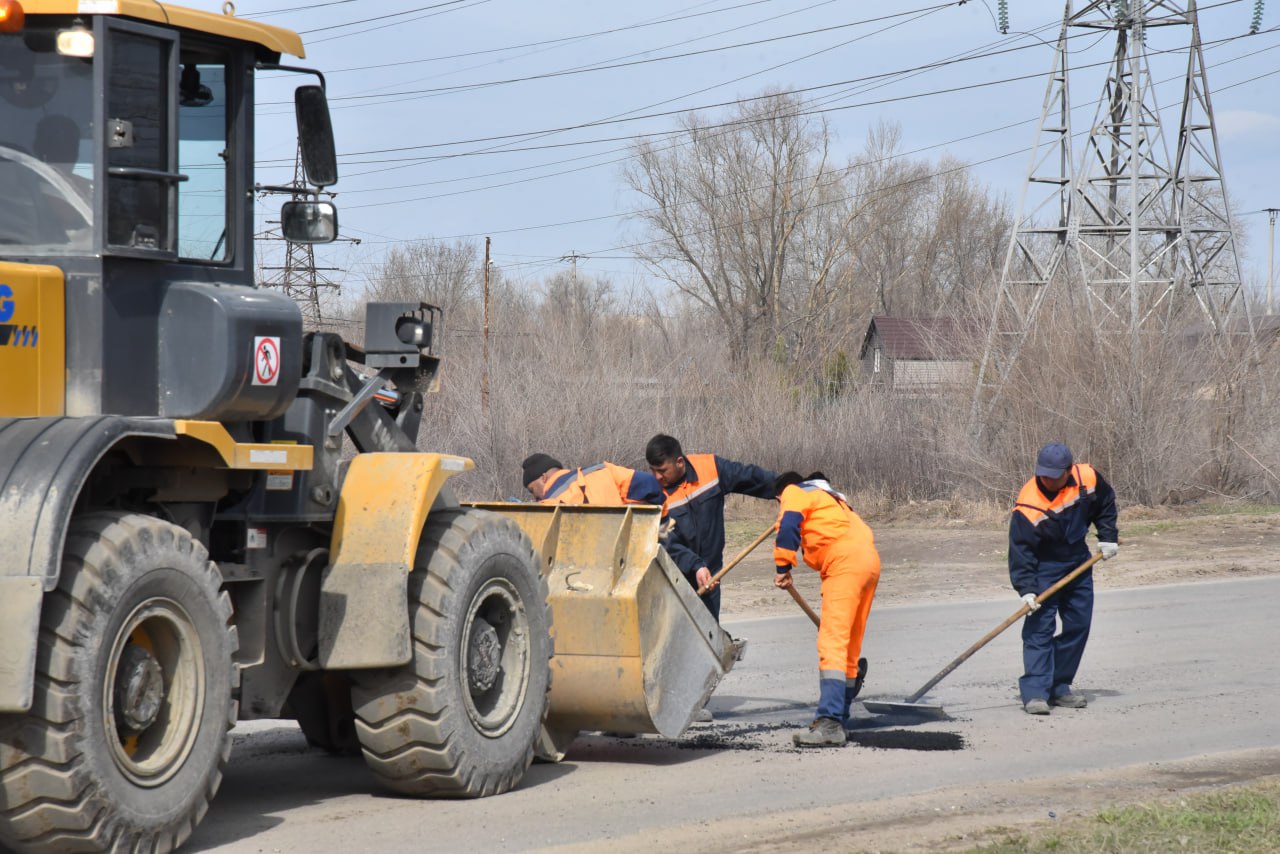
x=299, y=277
x=1128, y=232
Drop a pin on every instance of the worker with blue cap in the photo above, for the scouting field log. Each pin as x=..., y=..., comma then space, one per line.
x=1046, y=541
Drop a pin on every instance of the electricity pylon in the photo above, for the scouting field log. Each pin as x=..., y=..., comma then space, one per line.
x=299, y=277
x=1128, y=232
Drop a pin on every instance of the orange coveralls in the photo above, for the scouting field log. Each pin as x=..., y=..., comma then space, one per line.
x=840, y=546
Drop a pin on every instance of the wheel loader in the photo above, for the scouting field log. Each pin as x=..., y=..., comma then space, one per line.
x=210, y=515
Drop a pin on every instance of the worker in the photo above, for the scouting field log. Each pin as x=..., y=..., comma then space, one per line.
x=839, y=545
x=695, y=488
x=603, y=483
x=1047, y=541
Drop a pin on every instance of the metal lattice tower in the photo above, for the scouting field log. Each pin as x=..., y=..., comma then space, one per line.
x=1128, y=233
x=299, y=277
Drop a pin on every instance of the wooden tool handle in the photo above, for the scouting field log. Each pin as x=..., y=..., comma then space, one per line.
x=738, y=559
x=804, y=606
x=1017, y=615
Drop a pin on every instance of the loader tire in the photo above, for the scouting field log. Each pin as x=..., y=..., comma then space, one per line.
x=460, y=720
x=135, y=695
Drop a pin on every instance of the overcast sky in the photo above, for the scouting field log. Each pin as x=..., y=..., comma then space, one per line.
x=511, y=118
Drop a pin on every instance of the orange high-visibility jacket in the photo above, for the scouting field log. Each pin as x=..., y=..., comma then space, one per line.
x=1052, y=531
x=603, y=483
x=814, y=516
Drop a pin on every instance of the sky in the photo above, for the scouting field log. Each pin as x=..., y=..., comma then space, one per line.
x=511, y=119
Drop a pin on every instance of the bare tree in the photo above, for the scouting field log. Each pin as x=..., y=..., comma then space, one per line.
x=728, y=210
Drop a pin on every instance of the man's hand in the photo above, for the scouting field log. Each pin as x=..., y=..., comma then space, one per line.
x=1109, y=550
x=782, y=580
x=1030, y=600
x=704, y=579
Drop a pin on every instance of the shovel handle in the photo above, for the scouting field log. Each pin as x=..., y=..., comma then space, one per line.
x=738, y=559
x=804, y=606
x=1013, y=618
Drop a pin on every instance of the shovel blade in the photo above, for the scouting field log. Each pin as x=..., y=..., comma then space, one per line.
x=914, y=711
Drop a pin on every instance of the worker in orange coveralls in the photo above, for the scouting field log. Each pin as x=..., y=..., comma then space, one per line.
x=840, y=546
x=603, y=483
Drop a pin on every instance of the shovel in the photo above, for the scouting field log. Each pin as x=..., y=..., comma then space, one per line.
x=738, y=558
x=911, y=706
x=795, y=594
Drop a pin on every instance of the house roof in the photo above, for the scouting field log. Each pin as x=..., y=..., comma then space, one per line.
x=922, y=337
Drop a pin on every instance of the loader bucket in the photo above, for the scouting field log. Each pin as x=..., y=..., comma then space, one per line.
x=636, y=651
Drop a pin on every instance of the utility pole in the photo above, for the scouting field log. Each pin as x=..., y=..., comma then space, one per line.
x=1271, y=260
x=484, y=375
x=572, y=258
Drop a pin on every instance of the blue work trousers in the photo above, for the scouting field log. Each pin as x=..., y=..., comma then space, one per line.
x=711, y=599
x=1050, y=662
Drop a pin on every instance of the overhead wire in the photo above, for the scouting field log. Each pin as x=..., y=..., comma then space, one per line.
x=805, y=112
x=918, y=95
x=930, y=176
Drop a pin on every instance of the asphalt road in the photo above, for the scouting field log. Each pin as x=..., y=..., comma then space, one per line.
x=1171, y=673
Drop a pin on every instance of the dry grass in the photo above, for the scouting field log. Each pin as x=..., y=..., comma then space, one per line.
x=1240, y=819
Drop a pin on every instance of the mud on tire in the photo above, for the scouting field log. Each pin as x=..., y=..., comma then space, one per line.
x=461, y=719
x=135, y=689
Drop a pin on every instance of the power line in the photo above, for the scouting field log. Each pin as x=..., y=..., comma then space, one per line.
x=546, y=75
x=563, y=39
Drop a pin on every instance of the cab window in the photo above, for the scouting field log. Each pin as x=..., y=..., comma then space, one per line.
x=203, y=157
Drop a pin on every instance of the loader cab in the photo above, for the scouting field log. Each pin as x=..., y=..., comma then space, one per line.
x=127, y=163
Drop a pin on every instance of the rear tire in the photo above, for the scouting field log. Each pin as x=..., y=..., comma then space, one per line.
x=126, y=740
x=460, y=720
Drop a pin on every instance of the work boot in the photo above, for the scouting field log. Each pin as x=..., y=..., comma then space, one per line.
x=851, y=689
x=1036, y=706
x=1070, y=701
x=824, y=732
x=856, y=688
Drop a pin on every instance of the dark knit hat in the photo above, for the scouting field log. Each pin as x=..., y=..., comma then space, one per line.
x=536, y=465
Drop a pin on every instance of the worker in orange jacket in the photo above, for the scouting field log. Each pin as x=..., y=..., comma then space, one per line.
x=603, y=483
x=840, y=546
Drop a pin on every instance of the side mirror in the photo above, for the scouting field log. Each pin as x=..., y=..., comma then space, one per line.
x=309, y=222
x=315, y=135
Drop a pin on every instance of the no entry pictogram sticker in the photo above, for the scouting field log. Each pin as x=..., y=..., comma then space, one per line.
x=266, y=360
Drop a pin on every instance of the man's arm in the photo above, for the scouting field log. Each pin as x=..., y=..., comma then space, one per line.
x=686, y=559
x=645, y=489
x=1022, y=559
x=1104, y=511
x=744, y=478
x=788, y=539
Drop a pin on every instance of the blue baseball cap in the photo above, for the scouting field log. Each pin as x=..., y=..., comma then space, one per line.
x=1053, y=459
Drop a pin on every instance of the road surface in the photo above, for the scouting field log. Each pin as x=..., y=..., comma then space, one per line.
x=1183, y=683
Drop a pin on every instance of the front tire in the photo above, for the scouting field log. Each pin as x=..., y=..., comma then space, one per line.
x=129, y=731
x=461, y=719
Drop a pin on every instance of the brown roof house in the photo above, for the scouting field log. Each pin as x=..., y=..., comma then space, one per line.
x=920, y=355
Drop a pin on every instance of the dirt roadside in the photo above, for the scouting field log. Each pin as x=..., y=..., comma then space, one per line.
x=929, y=557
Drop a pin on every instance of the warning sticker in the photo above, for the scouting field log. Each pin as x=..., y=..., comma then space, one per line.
x=255, y=538
x=280, y=481
x=266, y=360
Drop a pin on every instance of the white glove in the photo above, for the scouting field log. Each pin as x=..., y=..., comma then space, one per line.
x=1030, y=599
x=1108, y=550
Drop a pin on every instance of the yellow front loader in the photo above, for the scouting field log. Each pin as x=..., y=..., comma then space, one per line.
x=189, y=542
